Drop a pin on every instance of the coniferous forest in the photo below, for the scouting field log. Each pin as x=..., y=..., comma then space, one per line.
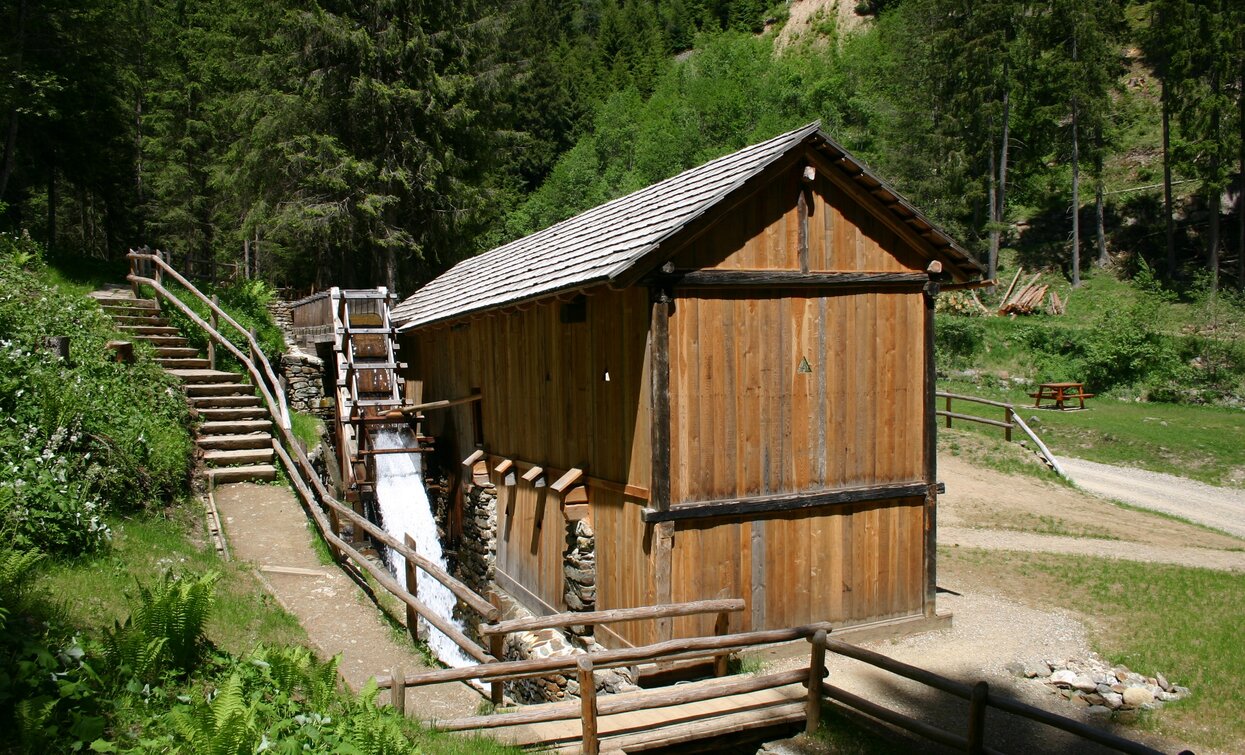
x=356, y=144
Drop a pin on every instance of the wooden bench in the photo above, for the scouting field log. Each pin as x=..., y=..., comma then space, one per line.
x=1059, y=393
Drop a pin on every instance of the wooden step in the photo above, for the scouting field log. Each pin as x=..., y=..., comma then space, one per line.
x=152, y=319
x=205, y=376
x=170, y=352
x=229, y=413
x=150, y=330
x=184, y=363
x=238, y=457
x=222, y=475
x=196, y=390
x=221, y=402
x=235, y=427
x=234, y=442
x=160, y=341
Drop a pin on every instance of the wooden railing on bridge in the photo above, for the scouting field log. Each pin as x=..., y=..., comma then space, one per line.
x=979, y=698
x=150, y=269
x=1010, y=421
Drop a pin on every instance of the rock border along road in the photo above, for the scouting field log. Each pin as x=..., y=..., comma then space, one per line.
x=267, y=527
x=1220, y=508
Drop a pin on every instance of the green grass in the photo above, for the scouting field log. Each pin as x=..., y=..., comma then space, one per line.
x=1199, y=442
x=1184, y=622
x=307, y=428
x=986, y=446
x=93, y=589
x=843, y=734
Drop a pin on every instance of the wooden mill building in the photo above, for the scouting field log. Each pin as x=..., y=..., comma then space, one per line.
x=735, y=364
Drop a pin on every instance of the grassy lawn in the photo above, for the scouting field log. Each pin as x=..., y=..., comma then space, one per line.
x=93, y=589
x=1184, y=622
x=1200, y=442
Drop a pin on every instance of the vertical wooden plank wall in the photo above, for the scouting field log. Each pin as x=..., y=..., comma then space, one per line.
x=789, y=391
x=559, y=395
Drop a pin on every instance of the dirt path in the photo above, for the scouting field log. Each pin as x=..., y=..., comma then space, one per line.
x=1221, y=508
x=1207, y=558
x=267, y=527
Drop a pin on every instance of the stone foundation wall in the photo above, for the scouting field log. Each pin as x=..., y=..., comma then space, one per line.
x=579, y=569
x=303, y=375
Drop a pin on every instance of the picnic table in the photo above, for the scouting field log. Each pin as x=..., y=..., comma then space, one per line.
x=1059, y=393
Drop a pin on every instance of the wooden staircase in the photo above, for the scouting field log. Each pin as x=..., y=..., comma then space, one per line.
x=235, y=432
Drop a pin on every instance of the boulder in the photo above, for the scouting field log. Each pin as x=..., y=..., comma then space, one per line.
x=1135, y=697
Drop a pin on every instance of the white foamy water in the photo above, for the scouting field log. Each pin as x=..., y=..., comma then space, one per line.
x=404, y=506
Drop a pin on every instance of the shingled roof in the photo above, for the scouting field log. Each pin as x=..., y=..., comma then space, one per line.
x=606, y=242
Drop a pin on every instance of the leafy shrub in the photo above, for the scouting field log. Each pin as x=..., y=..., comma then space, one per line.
x=82, y=436
x=957, y=340
x=246, y=302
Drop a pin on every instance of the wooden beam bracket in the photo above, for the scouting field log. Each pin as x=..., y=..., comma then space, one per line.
x=507, y=472
x=564, y=482
x=536, y=476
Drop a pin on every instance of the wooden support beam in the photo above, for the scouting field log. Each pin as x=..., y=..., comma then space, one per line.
x=788, y=279
x=497, y=648
x=784, y=502
x=430, y=405
x=930, y=517
x=659, y=399
x=564, y=482
x=475, y=456
x=397, y=693
x=614, y=615
x=535, y=476
x=506, y=471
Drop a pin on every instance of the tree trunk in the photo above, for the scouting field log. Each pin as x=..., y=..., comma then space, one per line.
x=1167, y=186
x=992, y=265
x=1103, y=259
x=1240, y=189
x=52, y=201
x=10, y=137
x=1214, y=192
x=1004, y=150
x=1076, y=202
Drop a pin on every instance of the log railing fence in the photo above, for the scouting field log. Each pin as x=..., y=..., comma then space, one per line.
x=1011, y=420
x=1009, y=412
x=589, y=708
x=150, y=269
x=979, y=697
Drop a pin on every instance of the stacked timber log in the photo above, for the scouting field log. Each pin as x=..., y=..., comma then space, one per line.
x=1031, y=298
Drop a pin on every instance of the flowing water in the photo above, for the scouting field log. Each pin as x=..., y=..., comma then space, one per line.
x=405, y=509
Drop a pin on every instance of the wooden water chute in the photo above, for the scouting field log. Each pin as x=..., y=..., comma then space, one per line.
x=737, y=363
x=369, y=390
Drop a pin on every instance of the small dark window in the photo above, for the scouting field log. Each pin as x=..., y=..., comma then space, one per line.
x=477, y=421
x=575, y=310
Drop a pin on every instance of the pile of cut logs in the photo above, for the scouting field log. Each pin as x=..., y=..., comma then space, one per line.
x=1030, y=298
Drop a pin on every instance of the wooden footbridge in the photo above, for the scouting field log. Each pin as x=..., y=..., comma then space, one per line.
x=721, y=706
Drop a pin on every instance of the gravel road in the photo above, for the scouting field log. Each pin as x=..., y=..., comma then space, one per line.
x=1221, y=508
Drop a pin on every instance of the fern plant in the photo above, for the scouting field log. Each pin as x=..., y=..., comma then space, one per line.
x=228, y=724
x=164, y=632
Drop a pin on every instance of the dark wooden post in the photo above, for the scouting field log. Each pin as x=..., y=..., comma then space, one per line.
x=397, y=693
x=816, y=671
x=663, y=550
x=134, y=271
x=496, y=648
x=588, y=705
x=948, y=411
x=213, y=320
x=977, y=718
x=931, y=454
x=1007, y=417
x=412, y=586
x=720, y=627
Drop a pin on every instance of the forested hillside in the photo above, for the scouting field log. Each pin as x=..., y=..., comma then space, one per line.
x=376, y=143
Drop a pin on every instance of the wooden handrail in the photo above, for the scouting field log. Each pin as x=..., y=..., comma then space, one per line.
x=305, y=480
x=974, y=399
x=284, y=414
x=966, y=692
x=696, y=647
x=1009, y=412
x=613, y=616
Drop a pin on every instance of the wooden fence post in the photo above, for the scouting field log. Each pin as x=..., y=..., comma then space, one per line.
x=816, y=671
x=496, y=648
x=1007, y=417
x=977, y=718
x=720, y=627
x=134, y=271
x=397, y=693
x=212, y=318
x=948, y=411
x=412, y=586
x=588, y=705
